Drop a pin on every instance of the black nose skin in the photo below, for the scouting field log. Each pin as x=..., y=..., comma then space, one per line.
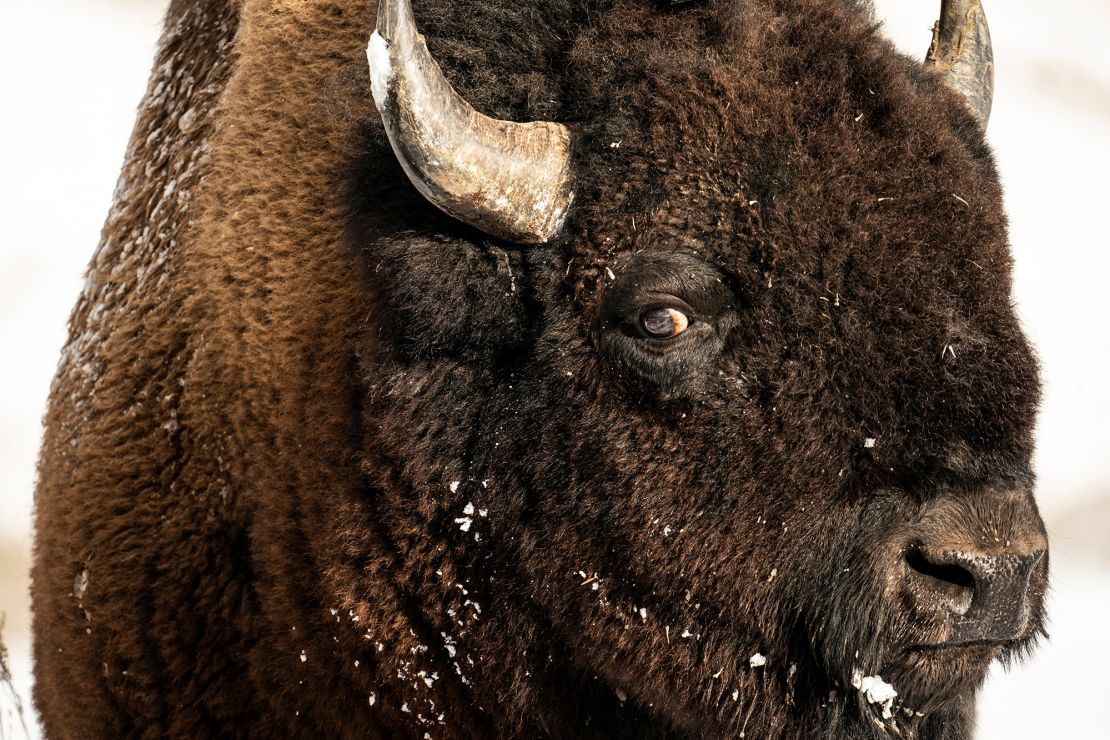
x=999, y=608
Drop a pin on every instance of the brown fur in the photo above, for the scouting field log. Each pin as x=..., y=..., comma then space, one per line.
x=247, y=518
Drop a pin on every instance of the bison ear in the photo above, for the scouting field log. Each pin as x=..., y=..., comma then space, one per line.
x=441, y=296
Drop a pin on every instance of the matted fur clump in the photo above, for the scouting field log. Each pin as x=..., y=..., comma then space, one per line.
x=322, y=462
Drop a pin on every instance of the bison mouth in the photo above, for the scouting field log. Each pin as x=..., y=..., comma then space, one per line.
x=930, y=679
x=934, y=607
x=936, y=670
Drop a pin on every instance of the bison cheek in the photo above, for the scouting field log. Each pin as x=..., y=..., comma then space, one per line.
x=443, y=296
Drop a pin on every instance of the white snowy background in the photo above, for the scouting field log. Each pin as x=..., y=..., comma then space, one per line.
x=72, y=73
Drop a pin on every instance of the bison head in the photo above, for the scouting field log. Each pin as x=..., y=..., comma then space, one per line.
x=712, y=397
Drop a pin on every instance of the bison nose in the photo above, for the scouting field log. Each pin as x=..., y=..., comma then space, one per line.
x=986, y=596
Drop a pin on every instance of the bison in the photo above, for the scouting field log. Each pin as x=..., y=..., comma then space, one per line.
x=595, y=369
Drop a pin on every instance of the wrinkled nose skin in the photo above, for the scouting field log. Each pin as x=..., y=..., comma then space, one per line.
x=1000, y=594
x=974, y=565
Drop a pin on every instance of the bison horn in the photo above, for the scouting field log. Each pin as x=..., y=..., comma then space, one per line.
x=962, y=51
x=510, y=180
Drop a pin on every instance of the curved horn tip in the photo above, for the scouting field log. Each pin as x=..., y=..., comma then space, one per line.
x=510, y=180
x=962, y=51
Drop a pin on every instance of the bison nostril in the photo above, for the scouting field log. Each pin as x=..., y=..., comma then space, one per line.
x=949, y=573
x=951, y=582
x=987, y=596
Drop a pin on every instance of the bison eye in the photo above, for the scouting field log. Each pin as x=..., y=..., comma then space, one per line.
x=663, y=323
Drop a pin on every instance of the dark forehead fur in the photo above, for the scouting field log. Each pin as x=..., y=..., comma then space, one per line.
x=846, y=192
x=848, y=195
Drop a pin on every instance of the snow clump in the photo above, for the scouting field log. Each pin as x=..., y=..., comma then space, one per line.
x=877, y=691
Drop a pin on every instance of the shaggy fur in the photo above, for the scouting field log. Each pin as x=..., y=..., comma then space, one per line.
x=321, y=462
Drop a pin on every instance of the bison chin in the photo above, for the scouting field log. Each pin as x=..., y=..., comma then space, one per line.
x=886, y=686
x=930, y=680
